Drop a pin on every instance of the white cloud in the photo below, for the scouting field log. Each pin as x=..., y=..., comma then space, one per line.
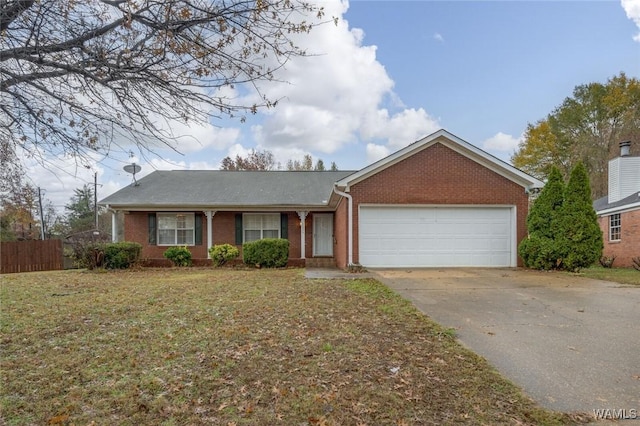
x=632, y=8
x=195, y=137
x=376, y=152
x=501, y=142
x=400, y=129
x=438, y=37
x=337, y=95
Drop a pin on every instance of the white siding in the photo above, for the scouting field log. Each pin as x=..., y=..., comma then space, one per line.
x=624, y=178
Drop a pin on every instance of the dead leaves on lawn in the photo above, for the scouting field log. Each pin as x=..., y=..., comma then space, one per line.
x=234, y=348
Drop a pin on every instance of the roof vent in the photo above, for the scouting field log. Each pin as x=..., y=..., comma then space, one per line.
x=624, y=148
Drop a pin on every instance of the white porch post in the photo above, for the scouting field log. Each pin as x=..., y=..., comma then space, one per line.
x=302, y=215
x=114, y=226
x=209, y=214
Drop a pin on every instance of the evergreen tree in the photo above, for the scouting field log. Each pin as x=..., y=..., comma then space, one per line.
x=540, y=250
x=80, y=211
x=579, y=238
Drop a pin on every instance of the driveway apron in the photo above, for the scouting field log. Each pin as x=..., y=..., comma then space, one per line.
x=572, y=344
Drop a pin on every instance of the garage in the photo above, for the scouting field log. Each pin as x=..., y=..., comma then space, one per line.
x=433, y=236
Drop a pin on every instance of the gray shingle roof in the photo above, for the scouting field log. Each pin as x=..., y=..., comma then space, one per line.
x=183, y=188
x=603, y=203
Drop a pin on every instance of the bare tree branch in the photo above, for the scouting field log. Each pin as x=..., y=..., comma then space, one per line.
x=74, y=74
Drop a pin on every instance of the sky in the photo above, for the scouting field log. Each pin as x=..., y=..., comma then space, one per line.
x=390, y=73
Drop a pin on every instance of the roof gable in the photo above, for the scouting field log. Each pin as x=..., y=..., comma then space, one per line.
x=453, y=142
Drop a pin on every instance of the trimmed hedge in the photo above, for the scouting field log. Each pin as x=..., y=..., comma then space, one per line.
x=266, y=253
x=179, y=256
x=222, y=253
x=121, y=255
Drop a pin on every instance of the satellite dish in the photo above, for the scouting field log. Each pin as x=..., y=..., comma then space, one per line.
x=133, y=168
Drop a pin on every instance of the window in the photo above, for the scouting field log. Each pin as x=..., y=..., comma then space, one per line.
x=259, y=226
x=176, y=229
x=614, y=227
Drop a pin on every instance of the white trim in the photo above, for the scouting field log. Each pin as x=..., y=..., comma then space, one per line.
x=610, y=218
x=176, y=243
x=114, y=226
x=209, y=214
x=303, y=231
x=262, y=229
x=349, y=224
x=620, y=209
x=453, y=142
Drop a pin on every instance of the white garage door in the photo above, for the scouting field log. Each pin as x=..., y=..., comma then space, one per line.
x=436, y=236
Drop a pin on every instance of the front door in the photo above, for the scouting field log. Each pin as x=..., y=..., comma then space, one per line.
x=323, y=234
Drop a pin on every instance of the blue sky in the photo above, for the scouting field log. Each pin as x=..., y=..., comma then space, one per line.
x=392, y=72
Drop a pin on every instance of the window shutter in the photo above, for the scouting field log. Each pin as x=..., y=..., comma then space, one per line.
x=239, y=228
x=198, y=229
x=152, y=229
x=284, y=225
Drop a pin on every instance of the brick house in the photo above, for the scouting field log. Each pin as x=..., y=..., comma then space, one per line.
x=437, y=202
x=619, y=211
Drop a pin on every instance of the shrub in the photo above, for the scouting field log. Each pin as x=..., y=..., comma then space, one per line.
x=268, y=253
x=107, y=255
x=121, y=255
x=580, y=239
x=607, y=262
x=89, y=255
x=221, y=254
x=539, y=251
x=179, y=255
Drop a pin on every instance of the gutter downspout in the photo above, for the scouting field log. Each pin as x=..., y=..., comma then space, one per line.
x=350, y=225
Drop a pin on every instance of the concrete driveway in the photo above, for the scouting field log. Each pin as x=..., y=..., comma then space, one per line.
x=572, y=344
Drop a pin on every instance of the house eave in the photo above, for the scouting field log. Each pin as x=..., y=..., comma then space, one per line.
x=219, y=208
x=619, y=209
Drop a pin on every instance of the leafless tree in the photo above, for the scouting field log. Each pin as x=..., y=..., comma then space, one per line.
x=76, y=77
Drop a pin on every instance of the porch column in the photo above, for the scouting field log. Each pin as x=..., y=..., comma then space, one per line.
x=114, y=226
x=302, y=215
x=209, y=214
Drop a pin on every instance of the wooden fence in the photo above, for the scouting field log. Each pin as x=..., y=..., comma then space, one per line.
x=30, y=255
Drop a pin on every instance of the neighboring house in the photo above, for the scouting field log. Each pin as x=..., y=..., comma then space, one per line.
x=619, y=212
x=437, y=202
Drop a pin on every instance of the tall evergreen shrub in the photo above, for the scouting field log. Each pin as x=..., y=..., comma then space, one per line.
x=580, y=239
x=540, y=250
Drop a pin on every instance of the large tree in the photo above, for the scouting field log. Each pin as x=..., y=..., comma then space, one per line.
x=78, y=76
x=255, y=160
x=587, y=127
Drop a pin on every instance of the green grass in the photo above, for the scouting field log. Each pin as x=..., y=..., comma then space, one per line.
x=236, y=347
x=619, y=275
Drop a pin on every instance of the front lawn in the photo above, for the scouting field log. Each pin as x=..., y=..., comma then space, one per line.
x=231, y=347
x=619, y=275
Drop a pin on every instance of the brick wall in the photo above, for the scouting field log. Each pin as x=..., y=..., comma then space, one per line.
x=223, y=223
x=341, y=233
x=628, y=246
x=439, y=175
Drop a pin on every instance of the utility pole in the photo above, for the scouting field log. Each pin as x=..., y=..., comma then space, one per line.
x=95, y=196
x=41, y=214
